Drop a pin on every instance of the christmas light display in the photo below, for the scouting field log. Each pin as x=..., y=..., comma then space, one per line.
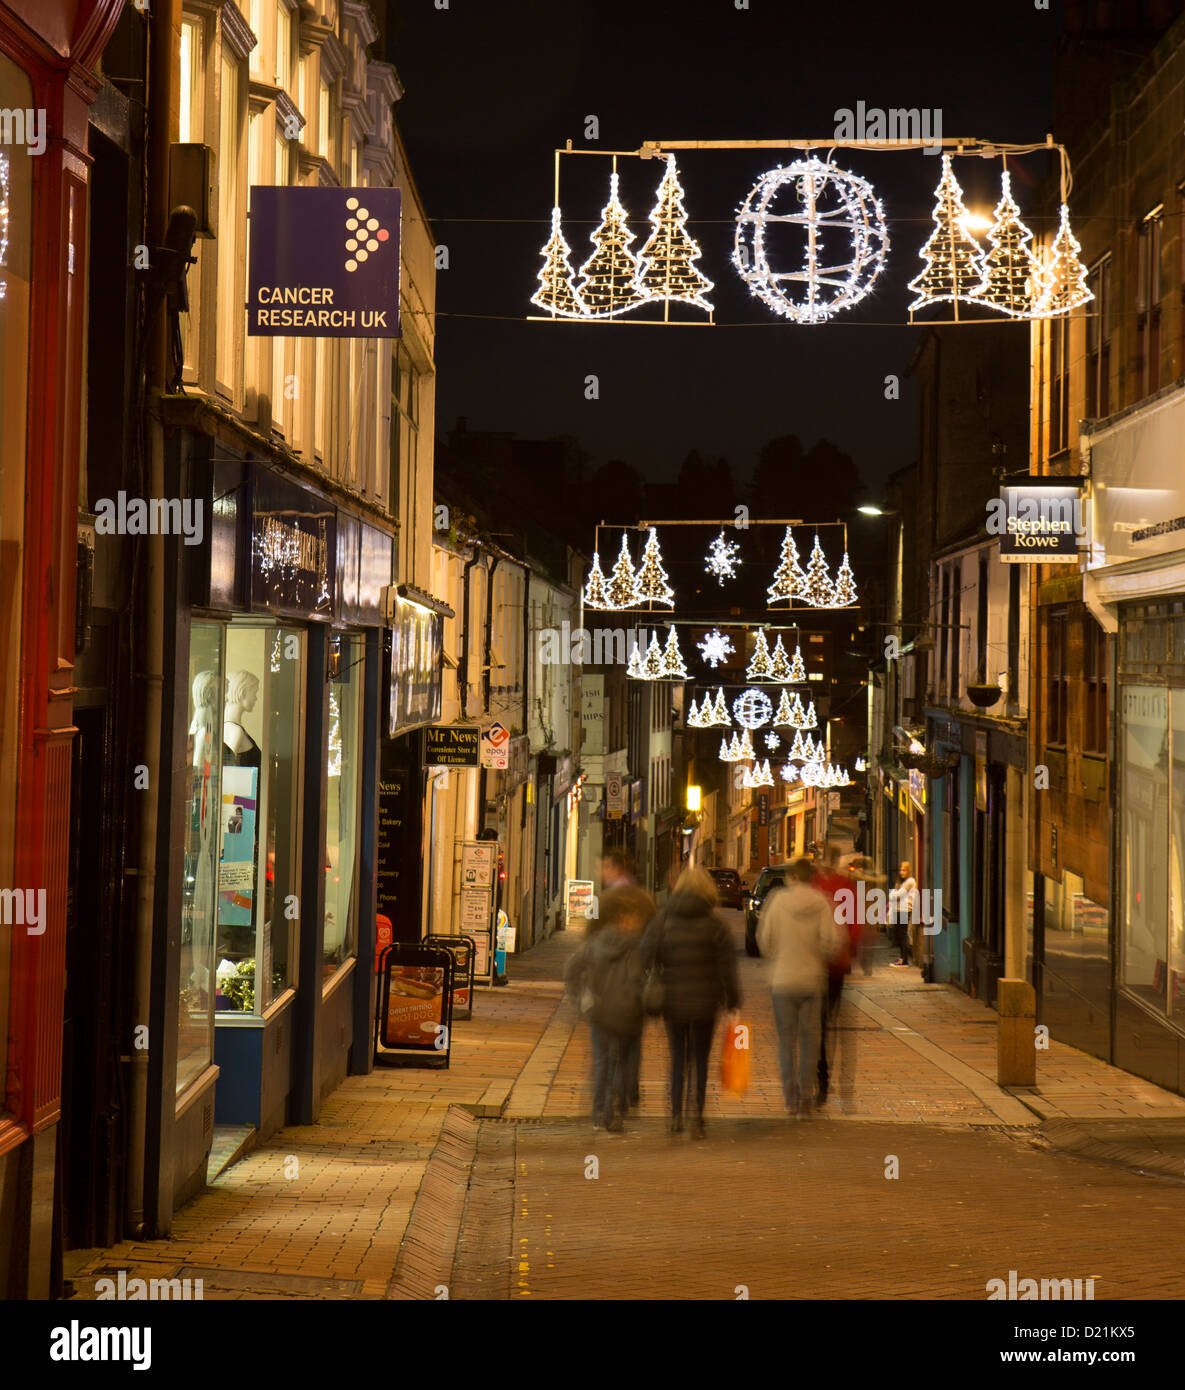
x=1062, y=279
x=666, y=263
x=595, y=595
x=789, y=578
x=809, y=719
x=747, y=778
x=721, y=559
x=844, y=594
x=780, y=665
x=811, y=774
x=634, y=668
x=798, y=749
x=759, y=664
x=556, y=292
x=953, y=259
x=762, y=776
x=621, y=587
x=844, y=243
x=608, y=278
x=652, y=662
x=672, y=657
x=861, y=764
x=818, y=590
x=695, y=719
x=788, y=772
x=797, y=718
x=797, y=669
x=730, y=750
x=745, y=745
x=752, y=709
x=1010, y=270
x=716, y=648
x=720, y=715
x=650, y=583
x=772, y=741
x=784, y=718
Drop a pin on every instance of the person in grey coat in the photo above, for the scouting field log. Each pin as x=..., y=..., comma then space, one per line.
x=697, y=957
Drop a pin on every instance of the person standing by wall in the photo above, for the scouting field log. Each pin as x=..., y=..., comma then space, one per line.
x=902, y=897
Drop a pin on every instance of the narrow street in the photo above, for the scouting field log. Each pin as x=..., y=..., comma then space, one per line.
x=476, y=1180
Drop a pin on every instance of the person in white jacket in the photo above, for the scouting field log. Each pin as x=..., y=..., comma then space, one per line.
x=798, y=935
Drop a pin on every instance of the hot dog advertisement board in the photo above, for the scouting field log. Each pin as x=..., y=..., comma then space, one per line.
x=415, y=1003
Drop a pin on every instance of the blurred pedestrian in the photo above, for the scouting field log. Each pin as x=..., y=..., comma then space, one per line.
x=830, y=879
x=902, y=897
x=861, y=870
x=605, y=978
x=618, y=869
x=797, y=934
x=694, y=950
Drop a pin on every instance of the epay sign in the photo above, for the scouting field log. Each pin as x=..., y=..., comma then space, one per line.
x=495, y=747
x=324, y=263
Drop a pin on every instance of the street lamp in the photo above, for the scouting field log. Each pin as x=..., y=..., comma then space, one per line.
x=869, y=510
x=693, y=798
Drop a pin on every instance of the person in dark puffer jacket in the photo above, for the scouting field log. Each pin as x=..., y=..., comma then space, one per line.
x=695, y=952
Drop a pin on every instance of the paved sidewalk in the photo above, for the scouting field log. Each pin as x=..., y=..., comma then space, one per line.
x=322, y=1211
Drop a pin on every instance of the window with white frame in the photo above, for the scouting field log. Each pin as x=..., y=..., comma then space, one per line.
x=232, y=223
x=283, y=51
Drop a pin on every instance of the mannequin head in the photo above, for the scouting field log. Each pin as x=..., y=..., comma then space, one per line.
x=242, y=690
x=205, y=691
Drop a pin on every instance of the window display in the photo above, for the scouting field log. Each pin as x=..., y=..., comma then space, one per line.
x=1145, y=789
x=343, y=755
x=195, y=1016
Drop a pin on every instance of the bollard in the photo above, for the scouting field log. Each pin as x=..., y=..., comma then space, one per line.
x=1016, y=1049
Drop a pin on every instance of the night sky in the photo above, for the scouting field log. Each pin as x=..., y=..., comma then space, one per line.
x=493, y=88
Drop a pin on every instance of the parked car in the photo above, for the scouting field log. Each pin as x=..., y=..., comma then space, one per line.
x=771, y=877
x=729, y=887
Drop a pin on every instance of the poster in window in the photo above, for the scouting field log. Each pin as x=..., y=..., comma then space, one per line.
x=236, y=872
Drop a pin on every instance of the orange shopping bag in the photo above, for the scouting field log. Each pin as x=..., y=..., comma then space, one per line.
x=734, y=1059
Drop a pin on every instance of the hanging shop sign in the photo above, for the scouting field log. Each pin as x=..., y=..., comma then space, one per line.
x=416, y=666
x=448, y=745
x=293, y=548
x=615, y=795
x=495, y=747
x=324, y=263
x=364, y=560
x=1038, y=522
x=518, y=762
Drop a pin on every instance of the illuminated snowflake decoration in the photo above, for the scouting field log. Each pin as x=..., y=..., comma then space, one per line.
x=716, y=647
x=721, y=559
x=788, y=772
x=845, y=240
x=772, y=741
x=752, y=709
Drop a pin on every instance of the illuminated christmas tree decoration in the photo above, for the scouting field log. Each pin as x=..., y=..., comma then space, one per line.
x=780, y=666
x=789, y=578
x=730, y=750
x=720, y=715
x=1062, y=280
x=815, y=752
x=694, y=718
x=672, y=657
x=652, y=663
x=788, y=772
x=772, y=741
x=716, y=648
x=797, y=714
x=666, y=263
x=784, y=718
x=845, y=239
x=797, y=669
x=861, y=764
x=634, y=668
x=953, y=260
x=798, y=751
x=752, y=709
x=1010, y=270
x=722, y=558
x=818, y=589
x=608, y=278
x=809, y=719
x=745, y=745
x=760, y=664
x=595, y=595
x=762, y=776
x=747, y=778
x=556, y=292
x=845, y=586
x=621, y=588
x=334, y=741
x=650, y=585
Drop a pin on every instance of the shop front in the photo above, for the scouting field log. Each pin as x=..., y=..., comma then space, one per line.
x=274, y=781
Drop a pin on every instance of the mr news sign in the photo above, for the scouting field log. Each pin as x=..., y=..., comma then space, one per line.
x=1038, y=522
x=324, y=263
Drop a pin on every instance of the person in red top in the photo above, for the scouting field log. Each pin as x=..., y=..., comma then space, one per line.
x=829, y=879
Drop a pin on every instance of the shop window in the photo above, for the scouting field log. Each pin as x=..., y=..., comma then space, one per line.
x=1098, y=341
x=344, y=779
x=16, y=183
x=775, y=840
x=1145, y=841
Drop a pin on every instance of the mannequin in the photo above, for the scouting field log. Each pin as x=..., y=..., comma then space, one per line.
x=242, y=691
x=206, y=686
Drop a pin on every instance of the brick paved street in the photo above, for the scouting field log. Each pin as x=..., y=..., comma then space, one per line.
x=789, y=1210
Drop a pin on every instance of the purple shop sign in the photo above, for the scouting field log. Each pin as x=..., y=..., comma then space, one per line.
x=324, y=263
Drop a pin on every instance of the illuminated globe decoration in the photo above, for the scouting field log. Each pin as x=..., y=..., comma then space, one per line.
x=844, y=240
x=752, y=709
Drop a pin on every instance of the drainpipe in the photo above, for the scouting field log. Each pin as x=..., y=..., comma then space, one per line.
x=463, y=665
x=163, y=23
x=489, y=644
